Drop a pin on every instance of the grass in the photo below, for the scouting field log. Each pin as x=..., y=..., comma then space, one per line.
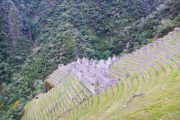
x=157, y=101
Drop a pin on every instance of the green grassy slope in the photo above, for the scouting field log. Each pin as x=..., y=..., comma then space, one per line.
x=148, y=88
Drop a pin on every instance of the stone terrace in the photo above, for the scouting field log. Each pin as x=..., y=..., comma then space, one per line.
x=76, y=84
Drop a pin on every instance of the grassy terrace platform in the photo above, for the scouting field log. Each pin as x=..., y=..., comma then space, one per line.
x=148, y=89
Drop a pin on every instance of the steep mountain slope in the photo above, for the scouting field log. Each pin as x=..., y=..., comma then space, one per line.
x=37, y=35
x=148, y=87
x=15, y=46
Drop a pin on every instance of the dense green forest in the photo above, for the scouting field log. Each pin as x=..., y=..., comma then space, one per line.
x=37, y=35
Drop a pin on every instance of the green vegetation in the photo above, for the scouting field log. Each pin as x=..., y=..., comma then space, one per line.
x=150, y=92
x=36, y=36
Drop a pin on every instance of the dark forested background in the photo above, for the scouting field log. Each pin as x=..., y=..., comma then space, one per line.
x=37, y=35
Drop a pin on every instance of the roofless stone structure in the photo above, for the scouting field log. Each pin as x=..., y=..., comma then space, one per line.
x=92, y=73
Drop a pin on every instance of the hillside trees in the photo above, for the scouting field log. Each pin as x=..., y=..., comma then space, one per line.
x=58, y=32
